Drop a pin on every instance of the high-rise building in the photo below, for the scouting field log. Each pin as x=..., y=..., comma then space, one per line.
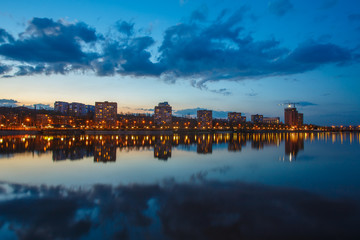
x=235, y=117
x=292, y=117
x=77, y=109
x=106, y=113
x=62, y=107
x=257, y=118
x=204, y=118
x=163, y=114
x=271, y=120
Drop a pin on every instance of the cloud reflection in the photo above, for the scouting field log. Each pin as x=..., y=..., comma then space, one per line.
x=206, y=210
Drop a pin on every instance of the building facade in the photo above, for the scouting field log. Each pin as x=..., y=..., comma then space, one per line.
x=90, y=109
x=293, y=117
x=77, y=109
x=106, y=114
x=204, y=118
x=257, y=118
x=61, y=107
x=235, y=117
x=271, y=120
x=163, y=114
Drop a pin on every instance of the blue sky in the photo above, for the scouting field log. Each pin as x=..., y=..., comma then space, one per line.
x=245, y=56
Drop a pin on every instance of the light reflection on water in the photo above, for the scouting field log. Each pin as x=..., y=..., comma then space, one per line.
x=319, y=162
x=205, y=186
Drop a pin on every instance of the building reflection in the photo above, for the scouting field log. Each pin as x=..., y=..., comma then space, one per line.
x=162, y=148
x=204, y=144
x=294, y=142
x=103, y=148
x=236, y=142
x=70, y=147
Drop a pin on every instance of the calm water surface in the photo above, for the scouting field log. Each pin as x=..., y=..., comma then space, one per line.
x=204, y=186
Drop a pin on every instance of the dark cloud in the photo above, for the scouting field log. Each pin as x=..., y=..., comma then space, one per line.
x=280, y=7
x=305, y=104
x=197, y=50
x=223, y=91
x=4, y=69
x=57, y=44
x=29, y=70
x=8, y=103
x=320, y=53
x=128, y=58
x=5, y=36
x=197, y=210
x=354, y=17
x=15, y=103
x=125, y=27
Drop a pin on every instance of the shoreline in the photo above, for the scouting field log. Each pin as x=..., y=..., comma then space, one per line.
x=151, y=132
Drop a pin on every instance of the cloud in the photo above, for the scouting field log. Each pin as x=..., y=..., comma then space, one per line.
x=145, y=109
x=193, y=112
x=4, y=69
x=15, y=103
x=5, y=36
x=280, y=7
x=125, y=27
x=354, y=17
x=8, y=103
x=128, y=58
x=42, y=106
x=305, y=104
x=56, y=44
x=197, y=210
x=29, y=70
x=300, y=103
x=197, y=50
x=223, y=91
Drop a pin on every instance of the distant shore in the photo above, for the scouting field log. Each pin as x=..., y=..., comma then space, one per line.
x=145, y=132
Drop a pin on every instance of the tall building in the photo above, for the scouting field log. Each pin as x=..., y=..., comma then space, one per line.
x=271, y=120
x=163, y=114
x=204, y=118
x=62, y=107
x=257, y=118
x=77, y=109
x=106, y=113
x=235, y=117
x=292, y=117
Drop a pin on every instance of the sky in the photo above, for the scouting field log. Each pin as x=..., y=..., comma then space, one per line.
x=248, y=56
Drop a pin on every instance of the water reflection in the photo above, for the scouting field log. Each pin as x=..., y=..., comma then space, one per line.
x=103, y=147
x=199, y=210
x=294, y=142
x=162, y=148
x=204, y=143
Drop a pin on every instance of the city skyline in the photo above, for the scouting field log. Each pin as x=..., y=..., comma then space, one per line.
x=246, y=57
